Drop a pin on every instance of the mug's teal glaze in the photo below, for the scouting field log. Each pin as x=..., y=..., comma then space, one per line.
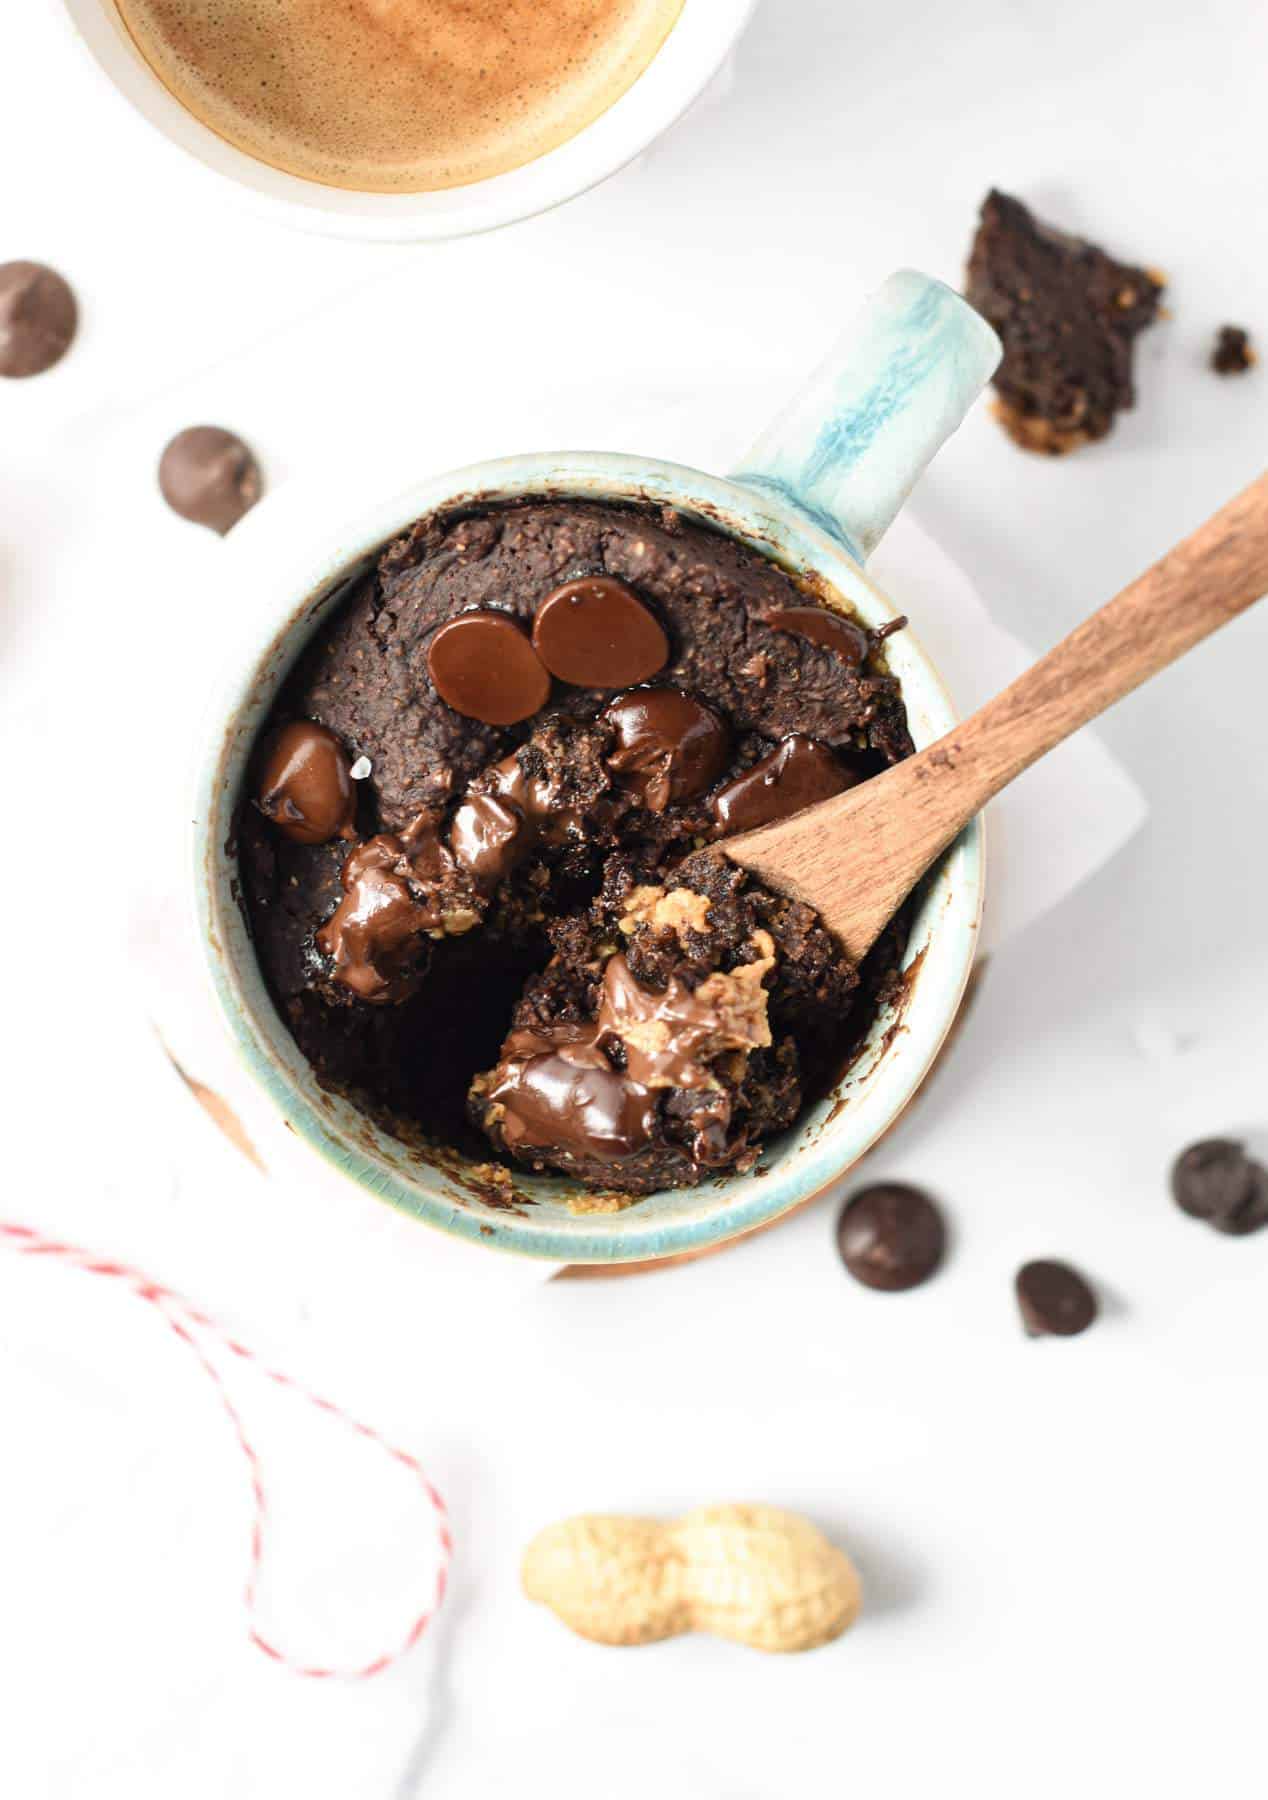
x=855, y=441
x=819, y=489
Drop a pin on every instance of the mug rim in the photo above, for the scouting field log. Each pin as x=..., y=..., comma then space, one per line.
x=901, y=1050
x=695, y=49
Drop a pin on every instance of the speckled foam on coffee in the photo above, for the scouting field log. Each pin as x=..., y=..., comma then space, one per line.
x=398, y=95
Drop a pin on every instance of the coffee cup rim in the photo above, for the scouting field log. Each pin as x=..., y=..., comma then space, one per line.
x=293, y=575
x=691, y=55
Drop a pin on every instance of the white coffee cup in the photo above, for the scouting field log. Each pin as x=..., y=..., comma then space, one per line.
x=691, y=55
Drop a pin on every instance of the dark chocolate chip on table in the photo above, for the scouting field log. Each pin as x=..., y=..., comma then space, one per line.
x=38, y=316
x=306, y=789
x=1216, y=1181
x=891, y=1236
x=210, y=477
x=669, y=746
x=1054, y=1299
x=483, y=665
x=596, y=632
x=821, y=626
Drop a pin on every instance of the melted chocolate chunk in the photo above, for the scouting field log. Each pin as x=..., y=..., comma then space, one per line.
x=797, y=773
x=840, y=635
x=559, y=1095
x=398, y=892
x=597, y=633
x=209, y=477
x=38, y=316
x=1217, y=1182
x=1054, y=1299
x=505, y=817
x=306, y=789
x=891, y=1237
x=483, y=665
x=669, y=746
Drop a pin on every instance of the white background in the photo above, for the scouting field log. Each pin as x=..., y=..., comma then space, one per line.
x=1062, y=1543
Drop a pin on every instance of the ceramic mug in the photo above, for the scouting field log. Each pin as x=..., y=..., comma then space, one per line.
x=697, y=46
x=816, y=494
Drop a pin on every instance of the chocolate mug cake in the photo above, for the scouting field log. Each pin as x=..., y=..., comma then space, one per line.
x=478, y=840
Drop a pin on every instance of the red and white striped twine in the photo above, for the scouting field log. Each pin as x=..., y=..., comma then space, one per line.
x=184, y=1319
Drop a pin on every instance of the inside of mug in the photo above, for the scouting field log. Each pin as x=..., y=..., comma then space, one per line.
x=548, y=1214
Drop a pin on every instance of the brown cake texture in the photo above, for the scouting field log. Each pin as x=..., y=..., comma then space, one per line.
x=1068, y=315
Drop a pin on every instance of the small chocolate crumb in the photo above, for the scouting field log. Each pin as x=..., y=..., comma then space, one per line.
x=891, y=1237
x=209, y=477
x=1232, y=354
x=1217, y=1182
x=38, y=316
x=1055, y=1300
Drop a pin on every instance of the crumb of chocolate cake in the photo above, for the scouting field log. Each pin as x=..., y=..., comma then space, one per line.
x=1068, y=315
x=1233, y=353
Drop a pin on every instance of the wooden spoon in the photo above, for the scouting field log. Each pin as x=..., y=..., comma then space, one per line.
x=856, y=858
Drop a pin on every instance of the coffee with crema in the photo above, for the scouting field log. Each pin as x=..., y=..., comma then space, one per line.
x=398, y=96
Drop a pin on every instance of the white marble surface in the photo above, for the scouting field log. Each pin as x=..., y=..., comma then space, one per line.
x=1062, y=1543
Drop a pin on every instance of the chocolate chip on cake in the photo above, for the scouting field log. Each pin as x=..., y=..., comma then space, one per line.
x=38, y=316
x=1068, y=316
x=483, y=665
x=209, y=477
x=1054, y=1299
x=1217, y=1182
x=596, y=632
x=891, y=1237
x=306, y=789
x=1232, y=354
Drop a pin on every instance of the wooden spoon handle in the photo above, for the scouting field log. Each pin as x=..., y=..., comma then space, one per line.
x=856, y=858
x=1205, y=581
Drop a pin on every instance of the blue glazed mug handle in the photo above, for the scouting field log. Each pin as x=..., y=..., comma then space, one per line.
x=897, y=383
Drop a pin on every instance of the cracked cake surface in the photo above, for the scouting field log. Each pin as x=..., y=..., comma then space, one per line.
x=521, y=938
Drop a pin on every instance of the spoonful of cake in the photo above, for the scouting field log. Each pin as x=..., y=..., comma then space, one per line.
x=856, y=858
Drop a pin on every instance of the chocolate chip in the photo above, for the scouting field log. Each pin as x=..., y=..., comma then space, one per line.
x=597, y=633
x=38, y=316
x=798, y=772
x=482, y=664
x=669, y=746
x=828, y=629
x=306, y=789
x=891, y=1236
x=209, y=477
x=1055, y=1300
x=1216, y=1181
